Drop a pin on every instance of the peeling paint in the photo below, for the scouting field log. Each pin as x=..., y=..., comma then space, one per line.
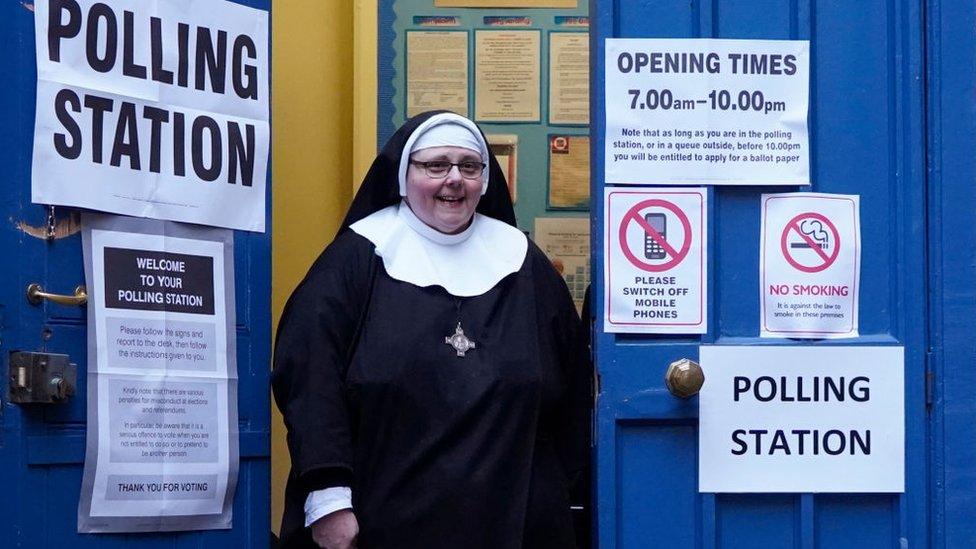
x=63, y=228
x=27, y=6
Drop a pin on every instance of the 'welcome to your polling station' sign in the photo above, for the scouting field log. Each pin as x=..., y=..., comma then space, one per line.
x=153, y=109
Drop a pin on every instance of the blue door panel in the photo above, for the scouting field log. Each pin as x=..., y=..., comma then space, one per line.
x=951, y=81
x=664, y=19
x=867, y=138
x=244, y=250
x=738, y=19
x=737, y=212
x=57, y=532
x=857, y=521
x=739, y=516
x=658, y=492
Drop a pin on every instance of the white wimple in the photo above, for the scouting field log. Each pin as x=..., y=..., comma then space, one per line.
x=465, y=264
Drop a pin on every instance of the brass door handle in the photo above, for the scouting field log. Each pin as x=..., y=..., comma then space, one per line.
x=36, y=294
x=684, y=378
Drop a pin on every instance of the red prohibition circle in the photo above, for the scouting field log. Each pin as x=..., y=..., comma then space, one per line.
x=793, y=224
x=632, y=214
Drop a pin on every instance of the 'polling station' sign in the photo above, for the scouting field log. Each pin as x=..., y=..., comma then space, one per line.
x=802, y=419
x=153, y=109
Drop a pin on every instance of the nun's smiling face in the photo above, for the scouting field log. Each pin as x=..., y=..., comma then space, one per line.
x=446, y=203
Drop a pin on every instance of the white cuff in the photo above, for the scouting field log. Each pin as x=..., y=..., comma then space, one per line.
x=322, y=502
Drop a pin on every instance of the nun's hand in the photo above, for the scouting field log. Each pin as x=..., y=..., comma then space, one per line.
x=336, y=530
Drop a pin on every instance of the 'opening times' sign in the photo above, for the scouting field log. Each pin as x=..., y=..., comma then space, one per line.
x=731, y=112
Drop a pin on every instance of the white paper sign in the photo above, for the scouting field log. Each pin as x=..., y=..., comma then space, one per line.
x=802, y=419
x=809, y=265
x=153, y=109
x=162, y=377
x=655, y=271
x=703, y=111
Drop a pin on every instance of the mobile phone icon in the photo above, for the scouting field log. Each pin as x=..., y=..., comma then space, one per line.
x=658, y=222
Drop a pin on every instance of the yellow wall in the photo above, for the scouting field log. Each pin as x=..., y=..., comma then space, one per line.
x=364, y=101
x=323, y=59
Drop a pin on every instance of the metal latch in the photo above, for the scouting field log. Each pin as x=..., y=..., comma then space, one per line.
x=41, y=378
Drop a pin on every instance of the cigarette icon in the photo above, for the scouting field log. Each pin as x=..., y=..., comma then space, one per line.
x=821, y=245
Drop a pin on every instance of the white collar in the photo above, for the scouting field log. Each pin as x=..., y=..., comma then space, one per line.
x=465, y=264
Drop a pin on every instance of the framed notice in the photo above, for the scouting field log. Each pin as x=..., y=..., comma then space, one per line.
x=505, y=148
x=507, y=75
x=437, y=71
x=569, y=78
x=566, y=242
x=569, y=172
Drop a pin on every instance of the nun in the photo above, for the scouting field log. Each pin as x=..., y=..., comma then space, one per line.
x=431, y=368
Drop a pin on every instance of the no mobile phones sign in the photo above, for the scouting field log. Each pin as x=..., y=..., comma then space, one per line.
x=655, y=270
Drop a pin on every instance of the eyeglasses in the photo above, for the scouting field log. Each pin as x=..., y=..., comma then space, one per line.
x=438, y=169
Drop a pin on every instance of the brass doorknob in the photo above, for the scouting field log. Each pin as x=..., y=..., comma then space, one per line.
x=36, y=294
x=684, y=378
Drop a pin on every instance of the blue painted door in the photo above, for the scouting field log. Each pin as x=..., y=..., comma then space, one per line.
x=42, y=447
x=867, y=137
x=951, y=86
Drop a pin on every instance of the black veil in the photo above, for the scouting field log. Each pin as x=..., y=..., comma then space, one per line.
x=381, y=188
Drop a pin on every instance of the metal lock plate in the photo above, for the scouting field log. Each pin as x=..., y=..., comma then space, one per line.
x=41, y=378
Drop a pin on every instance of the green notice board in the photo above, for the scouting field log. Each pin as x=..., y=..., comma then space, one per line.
x=499, y=67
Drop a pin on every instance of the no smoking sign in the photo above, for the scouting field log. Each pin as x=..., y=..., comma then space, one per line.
x=810, y=242
x=655, y=271
x=809, y=265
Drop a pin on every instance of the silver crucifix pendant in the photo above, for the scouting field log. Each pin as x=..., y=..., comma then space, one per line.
x=459, y=341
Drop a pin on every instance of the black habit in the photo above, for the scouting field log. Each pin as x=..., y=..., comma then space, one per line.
x=440, y=451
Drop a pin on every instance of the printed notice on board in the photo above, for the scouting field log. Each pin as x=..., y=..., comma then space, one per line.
x=569, y=78
x=162, y=452
x=153, y=109
x=505, y=149
x=809, y=265
x=802, y=419
x=702, y=111
x=656, y=267
x=507, y=76
x=437, y=71
x=506, y=3
x=566, y=242
x=569, y=172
